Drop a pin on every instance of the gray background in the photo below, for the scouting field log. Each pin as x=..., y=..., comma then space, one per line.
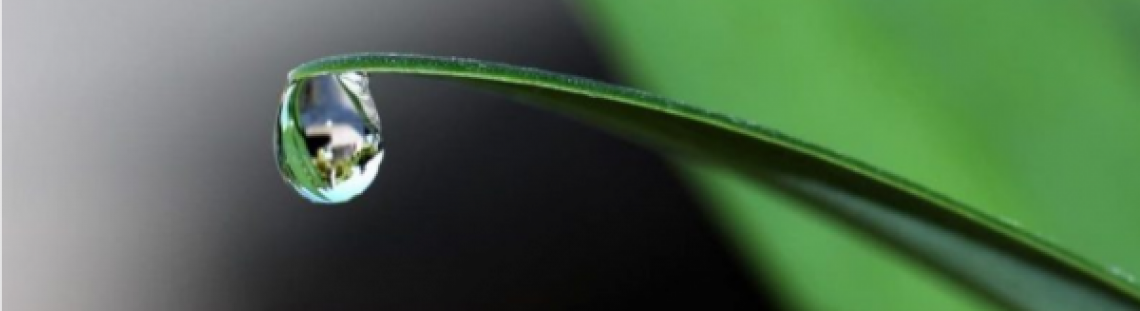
x=139, y=171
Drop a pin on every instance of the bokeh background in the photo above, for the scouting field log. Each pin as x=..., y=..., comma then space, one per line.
x=140, y=175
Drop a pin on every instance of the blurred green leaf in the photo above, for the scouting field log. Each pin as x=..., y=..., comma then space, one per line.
x=1027, y=108
x=998, y=260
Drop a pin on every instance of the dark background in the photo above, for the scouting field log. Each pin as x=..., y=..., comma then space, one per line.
x=140, y=174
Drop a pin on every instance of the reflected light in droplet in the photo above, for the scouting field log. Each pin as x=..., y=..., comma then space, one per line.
x=327, y=139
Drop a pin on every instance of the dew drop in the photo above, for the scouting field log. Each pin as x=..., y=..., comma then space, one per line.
x=1010, y=221
x=1122, y=274
x=327, y=139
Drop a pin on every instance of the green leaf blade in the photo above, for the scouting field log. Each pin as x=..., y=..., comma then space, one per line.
x=998, y=261
x=1026, y=109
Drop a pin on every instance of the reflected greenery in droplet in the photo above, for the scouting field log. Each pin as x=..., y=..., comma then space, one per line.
x=327, y=137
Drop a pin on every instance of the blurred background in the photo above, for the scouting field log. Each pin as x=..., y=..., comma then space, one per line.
x=141, y=176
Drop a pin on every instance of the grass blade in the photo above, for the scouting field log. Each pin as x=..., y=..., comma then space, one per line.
x=999, y=261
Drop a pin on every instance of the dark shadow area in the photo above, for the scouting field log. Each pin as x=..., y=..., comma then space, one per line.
x=481, y=204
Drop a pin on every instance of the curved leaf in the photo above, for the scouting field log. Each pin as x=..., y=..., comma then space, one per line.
x=998, y=261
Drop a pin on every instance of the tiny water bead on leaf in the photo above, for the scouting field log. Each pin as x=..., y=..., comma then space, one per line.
x=327, y=137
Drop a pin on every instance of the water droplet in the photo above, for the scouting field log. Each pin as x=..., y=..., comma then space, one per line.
x=1010, y=221
x=1044, y=238
x=1122, y=274
x=327, y=137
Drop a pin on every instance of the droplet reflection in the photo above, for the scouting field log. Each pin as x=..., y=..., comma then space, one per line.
x=327, y=138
